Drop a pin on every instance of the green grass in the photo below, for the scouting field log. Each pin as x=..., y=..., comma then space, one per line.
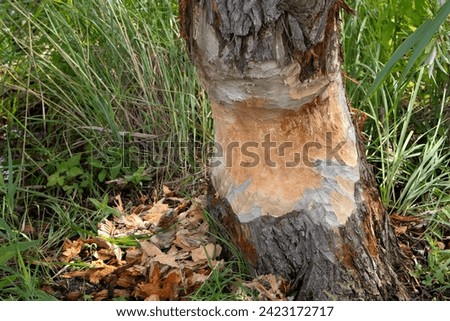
x=223, y=284
x=96, y=98
x=108, y=93
x=399, y=53
x=99, y=98
x=18, y=280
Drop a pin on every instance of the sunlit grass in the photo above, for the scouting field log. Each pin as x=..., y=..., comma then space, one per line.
x=96, y=98
x=405, y=57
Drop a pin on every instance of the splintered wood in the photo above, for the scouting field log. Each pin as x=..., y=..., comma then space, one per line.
x=159, y=251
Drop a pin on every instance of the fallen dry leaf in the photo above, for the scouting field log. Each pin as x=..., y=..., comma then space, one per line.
x=399, y=230
x=117, y=252
x=152, y=297
x=176, y=257
x=74, y=295
x=119, y=204
x=197, y=278
x=173, y=251
x=194, y=216
x=101, y=242
x=141, y=208
x=183, y=206
x=171, y=284
x=130, y=277
x=121, y=293
x=107, y=247
x=154, y=214
x=71, y=249
x=132, y=221
x=106, y=228
x=165, y=259
x=101, y=295
x=150, y=249
x=132, y=253
x=98, y=273
x=143, y=199
x=206, y=253
x=188, y=240
x=165, y=239
x=270, y=287
x=94, y=274
x=103, y=255
x=167, y=219
x=158, y=288
x=167, y=191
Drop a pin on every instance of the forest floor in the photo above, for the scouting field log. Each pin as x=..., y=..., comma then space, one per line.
x=166, y=249
x=161, y=249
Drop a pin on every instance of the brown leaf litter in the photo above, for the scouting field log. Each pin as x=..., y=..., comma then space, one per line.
x=158, y=251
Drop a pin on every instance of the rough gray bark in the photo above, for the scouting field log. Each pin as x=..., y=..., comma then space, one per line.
x=272, y=71
x=235, y=40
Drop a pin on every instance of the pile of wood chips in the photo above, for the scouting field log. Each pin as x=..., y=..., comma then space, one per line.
x=172, y=256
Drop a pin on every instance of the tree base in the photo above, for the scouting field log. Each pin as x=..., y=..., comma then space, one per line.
x=356, y=261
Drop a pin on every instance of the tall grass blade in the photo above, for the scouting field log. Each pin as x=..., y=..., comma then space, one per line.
x=418, y=39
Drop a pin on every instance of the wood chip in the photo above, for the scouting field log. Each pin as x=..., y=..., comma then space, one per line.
x=409, y=219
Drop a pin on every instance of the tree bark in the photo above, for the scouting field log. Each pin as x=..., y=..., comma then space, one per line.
x=289, y=178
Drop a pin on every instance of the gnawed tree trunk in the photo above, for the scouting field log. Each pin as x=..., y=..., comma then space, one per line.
x=289, y=180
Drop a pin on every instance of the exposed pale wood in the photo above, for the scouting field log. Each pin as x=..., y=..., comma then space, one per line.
x=291, y=184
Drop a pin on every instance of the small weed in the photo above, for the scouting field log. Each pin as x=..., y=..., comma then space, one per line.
x=70, y=176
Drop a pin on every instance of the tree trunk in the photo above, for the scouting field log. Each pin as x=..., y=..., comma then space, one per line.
x=289, y=179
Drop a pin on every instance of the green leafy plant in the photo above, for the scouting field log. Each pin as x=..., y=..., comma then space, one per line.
x=103, y=206
x=70, y=176
x=436, y=273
